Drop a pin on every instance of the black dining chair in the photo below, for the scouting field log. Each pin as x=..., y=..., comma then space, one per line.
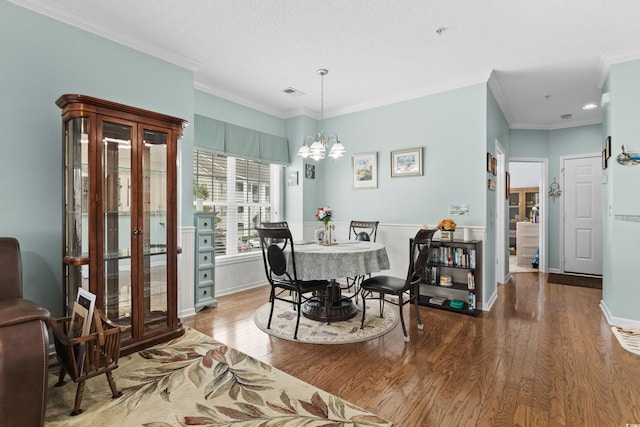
x=282, y=277
x=388, y=285
x=278, y=224
x=364, y=231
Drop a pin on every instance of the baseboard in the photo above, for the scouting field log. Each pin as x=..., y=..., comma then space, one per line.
x=492, y=300
x=617, y=321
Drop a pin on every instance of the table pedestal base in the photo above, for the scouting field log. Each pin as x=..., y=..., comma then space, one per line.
x=340, y=308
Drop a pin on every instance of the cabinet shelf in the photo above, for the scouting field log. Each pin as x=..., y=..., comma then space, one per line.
x=424, y=301
x=454, y=285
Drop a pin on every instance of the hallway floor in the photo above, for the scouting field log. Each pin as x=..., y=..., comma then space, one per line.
x=515, y=268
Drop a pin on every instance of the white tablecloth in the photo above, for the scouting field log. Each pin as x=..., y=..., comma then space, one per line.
x=346, y=259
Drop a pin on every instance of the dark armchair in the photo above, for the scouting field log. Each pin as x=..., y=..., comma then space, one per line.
x=24, y=345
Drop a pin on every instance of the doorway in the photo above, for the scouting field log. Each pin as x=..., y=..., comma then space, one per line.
x=527, y=212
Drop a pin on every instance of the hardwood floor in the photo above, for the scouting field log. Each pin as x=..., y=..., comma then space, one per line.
x=543, y=356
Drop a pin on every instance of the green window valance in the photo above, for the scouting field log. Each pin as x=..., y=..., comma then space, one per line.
x=237, y=141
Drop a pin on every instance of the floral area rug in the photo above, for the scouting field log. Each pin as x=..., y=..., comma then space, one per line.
x=628, y=338
x=197, y=381
x=310, y=331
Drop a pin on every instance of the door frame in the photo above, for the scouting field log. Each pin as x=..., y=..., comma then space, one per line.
x=502, y=254
x=561, y=161
x=544, y=211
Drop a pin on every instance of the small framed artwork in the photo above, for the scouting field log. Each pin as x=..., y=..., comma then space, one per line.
x=489, y=162
x=494, y=163
x=292, y=179
x=607, y=147
x=604, y=159
x=365, y=170
x=491, y=184
x=458, y=209
x=507, y=181
x=309, y=171
x=406, y=162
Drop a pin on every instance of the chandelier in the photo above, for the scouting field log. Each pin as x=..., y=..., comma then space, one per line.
x=318, y=148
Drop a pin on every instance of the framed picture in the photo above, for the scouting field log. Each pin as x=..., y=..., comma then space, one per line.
x=458, y=209
x=309, y=171
x=607, y=147
x=292, y=179
x=365, y=170
x=507, y=181
x=406, y=162
x=491, y=184
x=494, y=164
x=604, y=159
x=489, y=162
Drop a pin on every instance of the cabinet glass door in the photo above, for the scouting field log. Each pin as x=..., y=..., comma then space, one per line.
x=76, y=207
x=117, y=213
x=154, y=218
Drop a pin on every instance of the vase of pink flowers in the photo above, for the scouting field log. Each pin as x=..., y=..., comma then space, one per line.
x=324, y=215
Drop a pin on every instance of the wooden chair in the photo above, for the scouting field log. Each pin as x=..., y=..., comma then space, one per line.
x=274, y=242
x=365, y=231
x=87, y=356
x=387, y=285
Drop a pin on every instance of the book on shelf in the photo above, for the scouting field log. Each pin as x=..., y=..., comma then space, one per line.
x=471, y=281
x=437, y=300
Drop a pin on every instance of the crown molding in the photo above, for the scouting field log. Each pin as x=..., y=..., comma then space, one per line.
x=410, y=96
x=237, y=99
x=498, y=94
x=556, y=125
x=608, y=59
x=85, y=23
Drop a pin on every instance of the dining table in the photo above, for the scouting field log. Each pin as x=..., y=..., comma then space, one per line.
x=344, y=258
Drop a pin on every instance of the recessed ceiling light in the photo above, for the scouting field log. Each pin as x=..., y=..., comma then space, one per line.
x=565, y=116
x=589, y=106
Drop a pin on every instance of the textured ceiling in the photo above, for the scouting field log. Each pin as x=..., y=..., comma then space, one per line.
x=548, y=57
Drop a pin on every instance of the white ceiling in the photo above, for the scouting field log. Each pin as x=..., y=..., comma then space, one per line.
x=378, y=51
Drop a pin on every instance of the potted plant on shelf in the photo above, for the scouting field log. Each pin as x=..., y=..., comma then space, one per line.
x=446, y=226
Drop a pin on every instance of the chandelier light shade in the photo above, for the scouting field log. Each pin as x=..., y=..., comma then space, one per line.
x=317, y=149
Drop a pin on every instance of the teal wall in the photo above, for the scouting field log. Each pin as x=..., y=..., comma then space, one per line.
x=621, y=282
x=553, y=144
x=452, y=155
x=497, y=130
x=38, y=67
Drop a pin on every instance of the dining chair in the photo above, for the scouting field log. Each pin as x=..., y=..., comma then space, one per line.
x=278, y=224
x=275, y=242
x=395, y=286
x=364, y=231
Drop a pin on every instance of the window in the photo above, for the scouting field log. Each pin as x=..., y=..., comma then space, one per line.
x=242, y=194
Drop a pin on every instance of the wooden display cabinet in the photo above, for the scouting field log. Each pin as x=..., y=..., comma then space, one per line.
x=521, y=201
x=120, y=215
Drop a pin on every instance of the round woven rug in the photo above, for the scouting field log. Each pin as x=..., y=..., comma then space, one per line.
x=310, y=331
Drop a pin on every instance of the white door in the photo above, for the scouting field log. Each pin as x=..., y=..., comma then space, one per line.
x=583, y=215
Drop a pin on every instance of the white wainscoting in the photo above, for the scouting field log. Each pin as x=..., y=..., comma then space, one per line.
x=186, y=273
x=246, y=271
